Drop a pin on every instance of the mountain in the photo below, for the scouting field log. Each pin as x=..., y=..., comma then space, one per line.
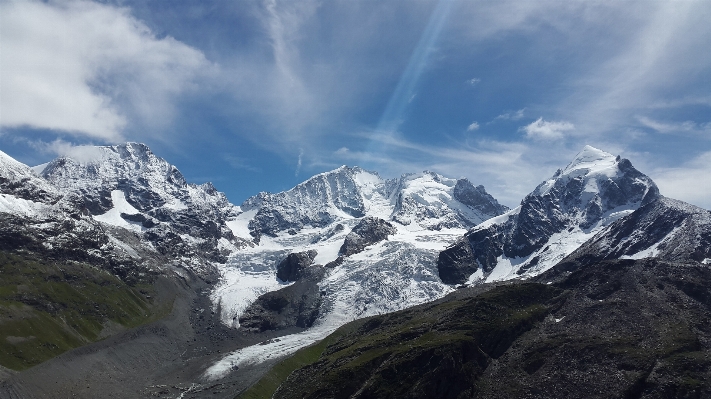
x=128, y=187
x=41, y=218
x=666, y=229
x=594, y=283
x=426, y=199
x=427, y=211
x=372, y=244
x=563, y=212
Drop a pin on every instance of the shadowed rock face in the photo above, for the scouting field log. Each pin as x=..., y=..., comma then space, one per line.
x=665, y=229
x=294, y=306
x=477, y=198
x=615, y=329
x=292, y=268
x=368, y=231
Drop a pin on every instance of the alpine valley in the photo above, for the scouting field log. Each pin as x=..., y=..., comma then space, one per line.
x=122, y=280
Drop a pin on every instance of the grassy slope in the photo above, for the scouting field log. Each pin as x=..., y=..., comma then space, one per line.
x=47, y=308
x=356, y=349
x=632, y=329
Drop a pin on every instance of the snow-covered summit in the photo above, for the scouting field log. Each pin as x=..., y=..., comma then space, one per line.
x=129, y=187
x=424, y=200
x=19, y=180
x=590, y=158
x=563, y=212
x=435, y=202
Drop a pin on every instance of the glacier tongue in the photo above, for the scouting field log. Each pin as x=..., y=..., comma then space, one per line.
x=428, y=212
x=394, y=274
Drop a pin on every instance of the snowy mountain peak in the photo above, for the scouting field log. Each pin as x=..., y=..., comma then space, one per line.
x=594, y=190
x=590, y=158
x=129, y=187
x=19, y=180
x=595, y=181
x=427, y=200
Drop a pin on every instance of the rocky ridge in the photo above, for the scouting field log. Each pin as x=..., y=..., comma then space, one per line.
x=128, y=187
x=563, y=212
x=666, y=229
x=426, y=199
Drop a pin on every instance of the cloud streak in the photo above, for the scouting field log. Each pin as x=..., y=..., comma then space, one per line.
x=541, y=129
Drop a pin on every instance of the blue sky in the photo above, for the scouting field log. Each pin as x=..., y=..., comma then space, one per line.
x=259, y=95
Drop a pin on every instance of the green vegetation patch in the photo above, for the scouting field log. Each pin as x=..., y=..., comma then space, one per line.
x=47, y=307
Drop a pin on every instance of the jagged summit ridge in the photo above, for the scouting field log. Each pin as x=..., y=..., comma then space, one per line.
x=594, y=190
x=18, y=180
x=425, y=199
x=129, y=187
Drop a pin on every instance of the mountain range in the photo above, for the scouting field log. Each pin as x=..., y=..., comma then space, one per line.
x=223, y=292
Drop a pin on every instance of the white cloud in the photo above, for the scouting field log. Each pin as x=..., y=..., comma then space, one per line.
x=541, y=129
x=298, y=162
x=473, y=126
x=514, y=116
x=59, y=147
x=87, y=68
x=689, y=182
x=473, y=81
x=687, y=127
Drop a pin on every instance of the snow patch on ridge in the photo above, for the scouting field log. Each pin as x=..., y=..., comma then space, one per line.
x=113, y=215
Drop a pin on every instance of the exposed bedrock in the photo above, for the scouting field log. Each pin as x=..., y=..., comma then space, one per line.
x=294, y=306
x=369, y=231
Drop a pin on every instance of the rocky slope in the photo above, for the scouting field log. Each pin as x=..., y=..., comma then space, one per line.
x=623, y=328
x=563, y=212
x=664, y=229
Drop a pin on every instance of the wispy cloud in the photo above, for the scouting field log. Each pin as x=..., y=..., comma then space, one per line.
x=299, y=161
x=240, y=163
x=541, y=129
x=474, y=81
x=473, y=126
x=685, y=128
x=656, y=58
x=88, y=69
x=688, y=182
x=514, y=116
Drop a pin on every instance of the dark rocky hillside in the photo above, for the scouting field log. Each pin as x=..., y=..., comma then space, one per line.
x=615, y=329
